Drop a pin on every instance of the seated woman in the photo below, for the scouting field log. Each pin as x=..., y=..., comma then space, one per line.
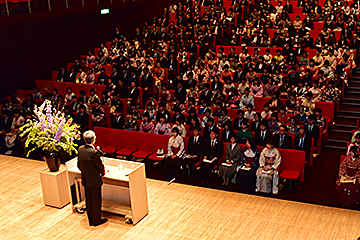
x=175, y=153
x=179, y=125
x=248, y=164
x=244, y=134
x=273, y=123
x=246, y=99
x=293, y=128
x=348, y=179
x=232, y=156
x=254, y=126
x=97, y=112
x=147, y=126
x=266, y=114
x=256, y=89
x=162, y=128
x=10, y=138
x=275, y=103
x=268, y=174
x=223, y=118
x=270, y=88
x=228, y=132
x=249, y=113
x=130, y=122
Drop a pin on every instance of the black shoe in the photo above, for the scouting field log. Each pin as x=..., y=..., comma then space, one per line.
x=102, y=221
x=91, y=224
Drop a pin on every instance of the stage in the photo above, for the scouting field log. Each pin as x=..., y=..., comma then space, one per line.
x=177, y=211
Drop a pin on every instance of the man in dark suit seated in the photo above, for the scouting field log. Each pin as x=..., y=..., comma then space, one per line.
x=281, y=139
x=117, y=121
x=206, y=94
x=213, y=152
x=312, y=130
x=82, y=118
x=303, y=142
x=210, y=125
x=92, y=169
x=162, y=111
x=239, y=74
x=70, y=76
x=122, y=89
x=5, y=126
x=146, y=84
x=61, y=77
x=177, y=115
x=262, y=134
x=195, y=149
x=180, y=92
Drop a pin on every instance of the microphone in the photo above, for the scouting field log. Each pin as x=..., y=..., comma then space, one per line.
x=100, y=151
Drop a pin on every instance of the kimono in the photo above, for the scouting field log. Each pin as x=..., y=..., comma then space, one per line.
x=309, y=106
x=245, y=100
x=182, y=130
x=98, y=114
x=222, y=120
x=268, y=158
x=330, y=95
x=266, y=115
x=162, y=129
x=246, y=178
x=176, y=147
x=243, y=136
x=349, y=192
x=147, y=127
x=131, y=125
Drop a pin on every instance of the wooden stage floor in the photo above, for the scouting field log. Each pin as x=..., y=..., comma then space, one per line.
x=176, y=212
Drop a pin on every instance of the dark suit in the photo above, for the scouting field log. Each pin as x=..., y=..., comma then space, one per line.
x=305, y=146
x=193, y=148
x=207, y=131
x=315, y=132
x=215, y=151
x=262, y=141
x=238, y=75
x=117, y=123
x=133, y=94
x=61, y=76
x=146, y=82
x=92, y=169
x=70, y=77
x=205, y=97
x=227, y=138
x=286, y=143
x=122, y=91
x=237, y=123
x=82, y=120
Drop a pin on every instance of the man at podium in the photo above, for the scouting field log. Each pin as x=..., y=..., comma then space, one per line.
x=92, y=169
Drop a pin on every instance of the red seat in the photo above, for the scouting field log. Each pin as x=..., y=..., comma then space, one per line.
x=288, y=174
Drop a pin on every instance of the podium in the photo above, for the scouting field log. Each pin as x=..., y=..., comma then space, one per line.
x=124, y=189
x=54, y=187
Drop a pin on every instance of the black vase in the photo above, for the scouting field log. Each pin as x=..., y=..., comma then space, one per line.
x=52, y=161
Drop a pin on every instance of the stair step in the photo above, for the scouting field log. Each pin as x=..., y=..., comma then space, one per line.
x=336, y=147
x=350, y=103
x=354, y=88
x=345, y=121
x=352, y=95
x=341, y=131
x=347, y=116
x=337, y=141
x=355, y=81
x=354, y=92
x=350, y=112
x=344, y=126
x=351, y=99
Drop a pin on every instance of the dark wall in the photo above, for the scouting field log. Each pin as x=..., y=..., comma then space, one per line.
x=32, y=45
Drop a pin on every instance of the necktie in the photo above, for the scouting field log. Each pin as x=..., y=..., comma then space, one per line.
x=262, y=135
x=281, y=140
x=212, y=144
x=301, y=142
x=310, y=129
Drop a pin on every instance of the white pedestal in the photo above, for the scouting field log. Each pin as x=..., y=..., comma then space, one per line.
x=54, y=187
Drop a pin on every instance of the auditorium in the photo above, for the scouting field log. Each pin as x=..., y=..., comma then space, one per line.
x=187, y=119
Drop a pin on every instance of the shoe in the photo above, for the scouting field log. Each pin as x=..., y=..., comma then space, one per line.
x=8, y=152
x=102, y=221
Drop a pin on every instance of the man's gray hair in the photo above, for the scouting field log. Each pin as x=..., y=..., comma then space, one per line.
x=89, y=136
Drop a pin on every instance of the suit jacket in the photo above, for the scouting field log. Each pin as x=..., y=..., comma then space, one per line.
x=196, y=148
x=6, y=126
x=207, y=132
x=70, y=77
x=287, y=143
x=259, y=141
x=206, y=97
x=314, y=133
x=115, y=77
x=180, y=94
x=61, y=76
x=237, y=123
x=133, y=94
x=122, y=91
x=227, y=139
x=118, y=124
x=82, y=120
x=238, y=75
x=233, y=155
x=215, y=151
x=306, y=145
x=91, y=166
x=147, y=81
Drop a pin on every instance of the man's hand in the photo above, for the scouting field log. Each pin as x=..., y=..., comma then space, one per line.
x=173, y=156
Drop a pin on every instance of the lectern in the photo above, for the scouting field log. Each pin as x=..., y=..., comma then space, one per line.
x=124, y=189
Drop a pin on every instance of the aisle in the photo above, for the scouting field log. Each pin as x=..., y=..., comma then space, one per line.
x=177, y=211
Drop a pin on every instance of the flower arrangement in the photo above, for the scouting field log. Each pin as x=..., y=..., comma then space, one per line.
x=50, y=131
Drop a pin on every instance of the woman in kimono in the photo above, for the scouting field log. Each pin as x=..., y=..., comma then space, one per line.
x=349, y=170
x=175, y=153
x=162, y=128
x=227, y=169
x=268, y=173
x=248, y=164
